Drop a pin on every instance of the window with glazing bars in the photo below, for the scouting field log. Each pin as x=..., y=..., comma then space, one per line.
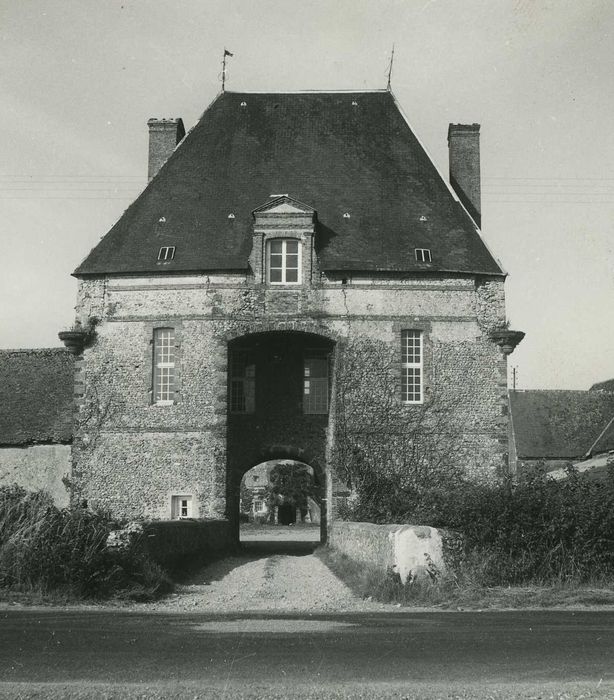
x=283, y=261
x=315, y=385
x=423, y=255
x=411, y=366
x=164, y=350
x=242, y=382
x=181, y=507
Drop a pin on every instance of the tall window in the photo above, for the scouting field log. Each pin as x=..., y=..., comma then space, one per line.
x=411, y=359
x=242, y=382
x=164, y=365
x=284, y=261
x=315, y=385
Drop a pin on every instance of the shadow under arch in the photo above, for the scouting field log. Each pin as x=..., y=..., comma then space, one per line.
x=277, y=409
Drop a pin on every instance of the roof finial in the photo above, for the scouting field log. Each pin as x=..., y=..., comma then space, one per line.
x=390, y=68
x=226, y=53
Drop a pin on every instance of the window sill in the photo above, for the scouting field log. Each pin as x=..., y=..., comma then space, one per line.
x=163, y=403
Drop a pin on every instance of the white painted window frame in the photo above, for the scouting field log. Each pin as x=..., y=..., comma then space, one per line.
x=284, y=254
x=166, y=253
x=409, y=366
x=164, y=389
x=181, y=506
x=423, y=255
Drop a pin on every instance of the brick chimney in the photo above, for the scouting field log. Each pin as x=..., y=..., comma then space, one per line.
x=164, y=135
x=464, y=153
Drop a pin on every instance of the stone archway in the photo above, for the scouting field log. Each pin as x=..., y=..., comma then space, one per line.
x=279, y=386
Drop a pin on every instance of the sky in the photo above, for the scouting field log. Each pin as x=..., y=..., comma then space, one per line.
x=80, y=78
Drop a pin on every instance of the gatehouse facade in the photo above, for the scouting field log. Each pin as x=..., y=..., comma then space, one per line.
x=220, y=320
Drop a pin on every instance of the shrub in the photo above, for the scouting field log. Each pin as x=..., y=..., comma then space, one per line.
x=45, y=549
x=536, y=530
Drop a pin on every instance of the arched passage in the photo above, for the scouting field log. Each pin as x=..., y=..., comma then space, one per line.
x=279, y=394
x=281, y=505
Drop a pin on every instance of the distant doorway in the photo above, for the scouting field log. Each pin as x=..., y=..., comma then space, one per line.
x=280, y=507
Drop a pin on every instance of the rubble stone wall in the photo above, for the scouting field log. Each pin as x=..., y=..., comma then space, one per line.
x=131, y=455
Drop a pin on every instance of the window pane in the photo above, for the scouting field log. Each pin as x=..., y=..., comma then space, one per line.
x=411, y=384
x=315, y=391
x=242, y=382
x=316, y=367
x=164, y=364
x=283, y=261
x=411, y=378
x=411, y=346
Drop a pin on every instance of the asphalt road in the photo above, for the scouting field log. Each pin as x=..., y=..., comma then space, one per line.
x=292, y=656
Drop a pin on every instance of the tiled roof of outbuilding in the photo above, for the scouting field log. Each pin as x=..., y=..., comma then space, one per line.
x=608, y=385
x=340, y=153
x=560, y=424
x=36, y=396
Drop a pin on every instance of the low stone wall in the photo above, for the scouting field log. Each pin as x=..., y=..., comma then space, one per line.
x=176, y=544
x=413, y=552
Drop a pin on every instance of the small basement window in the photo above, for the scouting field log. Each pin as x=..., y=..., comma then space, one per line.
x=166, y=253
x=181, y=507
x=423, y=255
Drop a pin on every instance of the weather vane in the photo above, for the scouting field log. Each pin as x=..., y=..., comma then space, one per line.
x=226, y=53
x=390, y=68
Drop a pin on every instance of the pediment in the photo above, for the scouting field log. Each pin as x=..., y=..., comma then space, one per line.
x=283, y=204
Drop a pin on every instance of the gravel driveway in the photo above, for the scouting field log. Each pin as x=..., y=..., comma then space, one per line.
x=257, y=580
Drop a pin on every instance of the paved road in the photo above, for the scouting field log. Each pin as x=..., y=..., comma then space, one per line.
x=292, y=656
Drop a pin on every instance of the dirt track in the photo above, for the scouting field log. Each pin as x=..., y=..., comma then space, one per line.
x=276, y=571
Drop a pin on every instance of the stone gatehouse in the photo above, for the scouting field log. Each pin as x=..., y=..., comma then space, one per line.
x=280, y=234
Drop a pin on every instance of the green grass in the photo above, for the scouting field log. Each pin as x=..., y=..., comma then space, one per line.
x=464, y=590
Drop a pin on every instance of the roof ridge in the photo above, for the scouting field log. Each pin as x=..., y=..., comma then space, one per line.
x=551, y=391
x=306, y=92
x=30, y=350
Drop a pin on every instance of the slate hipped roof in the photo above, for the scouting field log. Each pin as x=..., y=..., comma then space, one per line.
x=36, y=396
x=340, y=153
x=561, y=424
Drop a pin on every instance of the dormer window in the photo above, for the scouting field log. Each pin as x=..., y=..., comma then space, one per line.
x=423, y=255
x=284, y=261
x=166, y=253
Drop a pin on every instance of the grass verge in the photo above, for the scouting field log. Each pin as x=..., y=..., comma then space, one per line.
x=463, y=591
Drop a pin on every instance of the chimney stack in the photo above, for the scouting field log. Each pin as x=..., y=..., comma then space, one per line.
x=464, y=153
x=164, y=135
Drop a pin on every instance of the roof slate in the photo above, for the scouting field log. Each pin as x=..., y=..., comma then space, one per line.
x=36, y=396
x=560, y=424
x=337, y=152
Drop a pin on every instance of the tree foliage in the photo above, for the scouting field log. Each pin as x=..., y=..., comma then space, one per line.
x=290, y=484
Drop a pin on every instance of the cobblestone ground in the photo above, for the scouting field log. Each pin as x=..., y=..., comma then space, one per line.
x=259, y=582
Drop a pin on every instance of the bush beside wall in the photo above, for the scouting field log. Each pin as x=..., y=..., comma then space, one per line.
x=47, y=550
x=535, y=531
